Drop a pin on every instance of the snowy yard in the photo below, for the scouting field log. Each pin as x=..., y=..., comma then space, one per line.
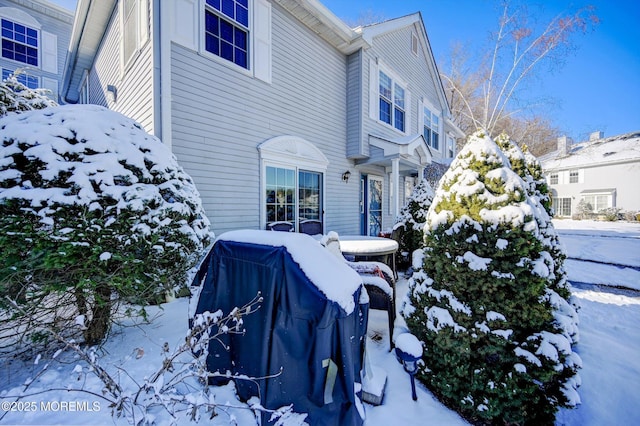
x=601, y=253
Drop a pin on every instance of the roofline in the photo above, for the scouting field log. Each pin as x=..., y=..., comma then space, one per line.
x=78, y=30
x=334, y=30
x=374, y=30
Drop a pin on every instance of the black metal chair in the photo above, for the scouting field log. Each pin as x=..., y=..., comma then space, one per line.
x=377, y=279
x=282, y=226
x=311, y=226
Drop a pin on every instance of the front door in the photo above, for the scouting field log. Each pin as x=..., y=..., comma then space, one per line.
x=370, y=205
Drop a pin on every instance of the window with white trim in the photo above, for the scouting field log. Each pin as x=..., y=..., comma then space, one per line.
x=553, y=178
x=451, y=147
x=32, y=82
x=392, y=102
x=574, y=176
x=562, y=206
x=19, y=42
x=135, y=27
x=227, y=30
x=292, y=194
x=431, y=130
x=598, y=202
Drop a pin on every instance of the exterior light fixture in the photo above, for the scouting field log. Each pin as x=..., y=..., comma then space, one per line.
x=112, y=93
x=345, y=176
x=409, y=352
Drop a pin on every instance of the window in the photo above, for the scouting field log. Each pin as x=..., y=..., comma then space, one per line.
x=19, y=42
x=227, y=30
x=451, y=147
x=414, y=44
x=134, y=27
x=392, y=102
x=28, y=80
x=573, y=176
x=431, y=128
x=282, y=204
x=562, y=206
x=553, y=179
x=598, y=202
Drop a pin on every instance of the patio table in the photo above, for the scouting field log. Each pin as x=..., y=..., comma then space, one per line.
x=363, y=247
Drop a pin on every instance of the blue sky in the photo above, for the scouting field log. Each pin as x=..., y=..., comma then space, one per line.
x=598, y=87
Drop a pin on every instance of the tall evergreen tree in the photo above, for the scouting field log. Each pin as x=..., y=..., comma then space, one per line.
x=494, y=349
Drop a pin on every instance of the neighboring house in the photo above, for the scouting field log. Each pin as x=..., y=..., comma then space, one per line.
x=277, y=109
x=604, y=172
x=35, y=37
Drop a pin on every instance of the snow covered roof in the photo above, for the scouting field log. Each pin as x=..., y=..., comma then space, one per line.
x=616, y=149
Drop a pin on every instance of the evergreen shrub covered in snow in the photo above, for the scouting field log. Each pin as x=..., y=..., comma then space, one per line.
x=497, y=337
x=16, y=97
x=412, y=218
x=93, y=211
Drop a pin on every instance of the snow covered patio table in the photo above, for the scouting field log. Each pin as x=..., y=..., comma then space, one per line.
x=363, y=247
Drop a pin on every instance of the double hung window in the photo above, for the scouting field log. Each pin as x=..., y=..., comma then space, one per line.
x=431, y=129
x=19, y=43
x=574, y=176
x=553, y=178
x=392, y=102
x=227, y=30
x=30, y=81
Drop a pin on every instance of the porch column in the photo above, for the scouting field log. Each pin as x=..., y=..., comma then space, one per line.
x=421, y=173
x=395, y=178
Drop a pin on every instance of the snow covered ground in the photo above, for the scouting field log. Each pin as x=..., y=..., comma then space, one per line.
x=609, y=347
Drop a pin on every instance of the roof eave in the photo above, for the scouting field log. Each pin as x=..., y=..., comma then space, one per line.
x=89, y=26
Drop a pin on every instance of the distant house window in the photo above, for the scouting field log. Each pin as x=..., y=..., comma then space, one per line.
x=562, y=206
x=431, y=129
x=392, y=102
x=19, y=43
x=598, y=202
x=28, y=80
x=553, y=179
x=573, y=176
x=227, y=30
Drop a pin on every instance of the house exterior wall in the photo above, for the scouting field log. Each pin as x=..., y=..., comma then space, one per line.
x=55, y=31
x=133, y=81
x=220, y=115
x=392, y=52
x=620, y=177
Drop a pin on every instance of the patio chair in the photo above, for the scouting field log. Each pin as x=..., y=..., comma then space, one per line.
x=311, y=227
x=377, y=278
x=282, y=226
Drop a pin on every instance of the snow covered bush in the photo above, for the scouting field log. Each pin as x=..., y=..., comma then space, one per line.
x=497, y=347
x=412, y=218
x=93, y=211
x=16, y=97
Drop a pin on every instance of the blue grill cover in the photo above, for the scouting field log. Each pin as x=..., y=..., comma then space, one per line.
x=296, y=329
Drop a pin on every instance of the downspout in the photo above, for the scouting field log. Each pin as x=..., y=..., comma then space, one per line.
x=164, y=71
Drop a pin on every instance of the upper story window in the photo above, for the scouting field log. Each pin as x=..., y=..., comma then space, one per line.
x=553, y=178
x=30, y=81
x=574, y=176
x=431, y=128
x=392, y=102
x=19, y=42
x=134, y=27
x=227, y=30
x=451, y=147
